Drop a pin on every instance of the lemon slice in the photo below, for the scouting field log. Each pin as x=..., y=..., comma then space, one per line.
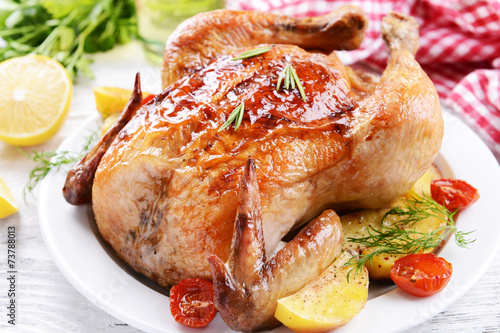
x=327, y=302
x=111, y=100
x=8, y=205
x=35, y=95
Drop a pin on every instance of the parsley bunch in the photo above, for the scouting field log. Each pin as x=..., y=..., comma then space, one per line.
x=65, y=29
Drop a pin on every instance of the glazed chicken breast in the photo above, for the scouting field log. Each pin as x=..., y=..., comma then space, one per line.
x=168, y=182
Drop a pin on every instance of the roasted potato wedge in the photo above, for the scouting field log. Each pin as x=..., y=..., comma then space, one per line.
x=327, y=302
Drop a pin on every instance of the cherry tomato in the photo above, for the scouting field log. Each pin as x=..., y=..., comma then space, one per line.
x=147, y=98
x=192, y=302
x=421, y=274
x=453, y=193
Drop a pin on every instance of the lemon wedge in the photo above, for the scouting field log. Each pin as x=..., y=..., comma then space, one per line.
x=111, y=100
x=327, y=302
x=35, y=96
x=8, y=205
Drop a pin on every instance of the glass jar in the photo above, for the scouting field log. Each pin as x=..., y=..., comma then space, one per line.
x=157, y=19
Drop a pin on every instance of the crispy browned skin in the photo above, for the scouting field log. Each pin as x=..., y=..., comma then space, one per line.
x=165, y=193
x=248, y=286
x=77, y=189
x=198, y=41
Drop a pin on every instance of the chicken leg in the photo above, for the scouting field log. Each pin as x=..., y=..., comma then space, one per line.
x=403, y=108
x=199, y=40
x=248, y=286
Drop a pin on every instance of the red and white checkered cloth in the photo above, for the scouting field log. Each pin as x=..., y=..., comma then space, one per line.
x=459, y=49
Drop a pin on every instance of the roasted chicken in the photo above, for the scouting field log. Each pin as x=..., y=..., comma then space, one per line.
x=166, y=191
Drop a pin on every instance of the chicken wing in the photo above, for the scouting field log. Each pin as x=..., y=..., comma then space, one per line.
x=77, y=189
x=248, y=286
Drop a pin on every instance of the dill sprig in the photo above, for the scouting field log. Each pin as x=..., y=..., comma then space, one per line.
x=46, y=161
x=236, y=116
x=290, y=79
x=401, y=236
x=254, y=52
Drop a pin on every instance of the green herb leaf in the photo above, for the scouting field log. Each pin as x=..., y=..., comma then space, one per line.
x=6, y=9
x=299, y=84
x=280, y=78
x=287, y=77
x=236, y=116
x=66, y=38
x=253, y=52
x=291, y=79
x=61, y=8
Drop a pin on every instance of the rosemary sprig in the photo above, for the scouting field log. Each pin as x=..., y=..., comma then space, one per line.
x=401, y=236
x=46, y=161
x=236, y=116
x=291, y=79
x=254, y=52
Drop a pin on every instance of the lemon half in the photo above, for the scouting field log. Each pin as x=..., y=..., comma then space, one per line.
x=35, y=96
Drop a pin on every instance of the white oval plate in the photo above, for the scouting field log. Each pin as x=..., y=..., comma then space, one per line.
x=86, y=263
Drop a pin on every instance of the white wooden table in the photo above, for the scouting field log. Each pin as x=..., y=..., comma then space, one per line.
x=47, y=302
